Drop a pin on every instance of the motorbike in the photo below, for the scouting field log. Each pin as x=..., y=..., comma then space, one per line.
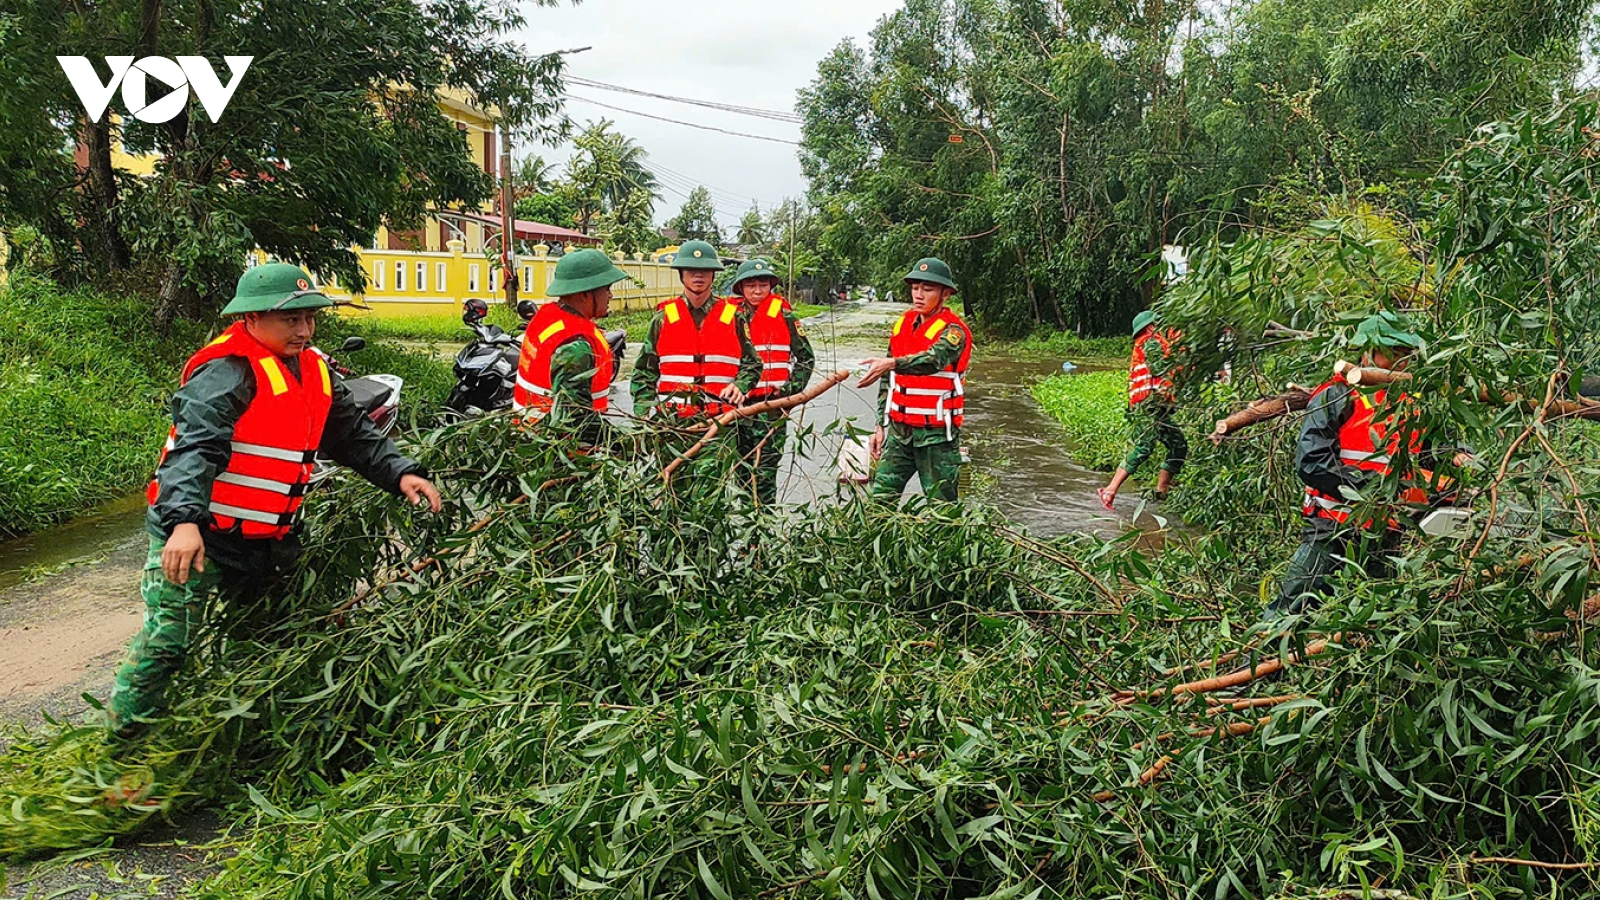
x=378, y=396
x=486, y=368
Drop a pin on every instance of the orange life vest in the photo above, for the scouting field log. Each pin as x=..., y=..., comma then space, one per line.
x=553, y=326
x=927, y=401
x=697, y=363
x=274, y=442
x=769, y=332
x=1367, y=444
x=1142, y=383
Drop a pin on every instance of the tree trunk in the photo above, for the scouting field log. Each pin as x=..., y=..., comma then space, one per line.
x=109, y=250
x=176, y=298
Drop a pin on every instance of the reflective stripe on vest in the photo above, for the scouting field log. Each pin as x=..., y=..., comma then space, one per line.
x=1365, y=443
x=274, y=442
x=553, y=327
x=696, y=361
x=909, y=395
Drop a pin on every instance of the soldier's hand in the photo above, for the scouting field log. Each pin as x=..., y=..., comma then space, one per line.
x=420, y=491
x=877, y=367
x=731, y=394
x=185, y=550
x=875, y=443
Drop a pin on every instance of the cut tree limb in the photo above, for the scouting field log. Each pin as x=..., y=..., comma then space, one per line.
x=745, y=412
x=1262, y=410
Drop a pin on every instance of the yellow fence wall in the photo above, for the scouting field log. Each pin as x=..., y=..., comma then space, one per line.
x=410, y=283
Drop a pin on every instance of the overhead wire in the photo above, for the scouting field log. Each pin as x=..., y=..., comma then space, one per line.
x=756, y=112
x=635, y=112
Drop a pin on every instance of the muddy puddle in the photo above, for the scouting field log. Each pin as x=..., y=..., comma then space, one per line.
x=87, y=537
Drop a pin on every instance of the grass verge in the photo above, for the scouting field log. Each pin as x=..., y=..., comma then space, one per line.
x=1089, y=407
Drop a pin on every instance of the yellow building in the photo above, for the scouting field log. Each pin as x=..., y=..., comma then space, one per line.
x=455, y=255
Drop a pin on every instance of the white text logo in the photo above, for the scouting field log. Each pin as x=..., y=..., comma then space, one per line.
x=185, y=74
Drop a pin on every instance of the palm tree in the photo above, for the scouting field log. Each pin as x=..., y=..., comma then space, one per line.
x=608, y=172
x=533, y=176
x=752, y=228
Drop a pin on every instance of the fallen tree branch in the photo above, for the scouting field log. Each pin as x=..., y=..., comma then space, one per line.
x=1265, y=409
x=745, y=412
x=1232, y=729
x=1232, y=679
x=1532, y=863
x=422, y=564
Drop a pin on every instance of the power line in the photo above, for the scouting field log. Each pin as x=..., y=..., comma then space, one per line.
x=634, y=112
x=754, y=111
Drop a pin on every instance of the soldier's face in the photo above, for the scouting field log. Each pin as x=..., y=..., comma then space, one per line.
x=595, y=304
x=927, y=297
x=698, y=281
x=755, y=290
x=284, y=333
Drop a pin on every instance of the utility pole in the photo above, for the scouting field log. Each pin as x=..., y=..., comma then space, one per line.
x=508, y=231
x=790, y=295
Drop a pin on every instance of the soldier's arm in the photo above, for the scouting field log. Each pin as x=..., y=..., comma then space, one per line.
x=647, y=370
x=352, y=440
x=749, y=360
x=1317, y=452
x=205, y=411
x=802, y=358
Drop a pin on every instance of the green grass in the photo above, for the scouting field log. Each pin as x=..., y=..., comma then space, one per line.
x=84, y=385
x=1067, y=346
x=1090, y=408
x=83, y=388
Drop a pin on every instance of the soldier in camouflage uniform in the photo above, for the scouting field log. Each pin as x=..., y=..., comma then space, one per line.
x=254, y=406
x=787, y=361
x=920, y=415
x=1151, y=405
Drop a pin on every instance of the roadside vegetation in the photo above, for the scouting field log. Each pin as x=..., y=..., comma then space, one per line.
x=1089, y=406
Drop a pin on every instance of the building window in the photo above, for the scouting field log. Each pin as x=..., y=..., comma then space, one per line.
x=377, y=274
x=473, y=272
x=438, y=277
x=494, y=280
x=527, y=277
x=422, y=277
x=399, y=276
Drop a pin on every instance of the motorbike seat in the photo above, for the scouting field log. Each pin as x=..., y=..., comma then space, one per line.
x=367, y=394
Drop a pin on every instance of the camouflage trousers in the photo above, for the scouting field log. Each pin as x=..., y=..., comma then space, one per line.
x=1324, y=549
x=173, y=616
x=759, y=461
x=937, y=465
x=1151, y=423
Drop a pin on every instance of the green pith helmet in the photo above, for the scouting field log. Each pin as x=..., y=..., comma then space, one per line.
x=697, y=255
x=755, y=268
x=933, y=271
x=584, y=270
x=1386, y=331
x=275, y=287
x=1143, y=319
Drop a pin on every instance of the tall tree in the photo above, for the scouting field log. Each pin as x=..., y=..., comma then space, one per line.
x=1049, y=149
x=333, y=131
x=752, y=228
x=697, y=220
x=609, y=172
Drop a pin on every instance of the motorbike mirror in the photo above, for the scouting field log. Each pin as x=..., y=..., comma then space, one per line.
x=353, y=343
x=473, y=311
x=526, y=309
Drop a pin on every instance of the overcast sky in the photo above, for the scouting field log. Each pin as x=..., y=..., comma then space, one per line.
x=685, y=50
